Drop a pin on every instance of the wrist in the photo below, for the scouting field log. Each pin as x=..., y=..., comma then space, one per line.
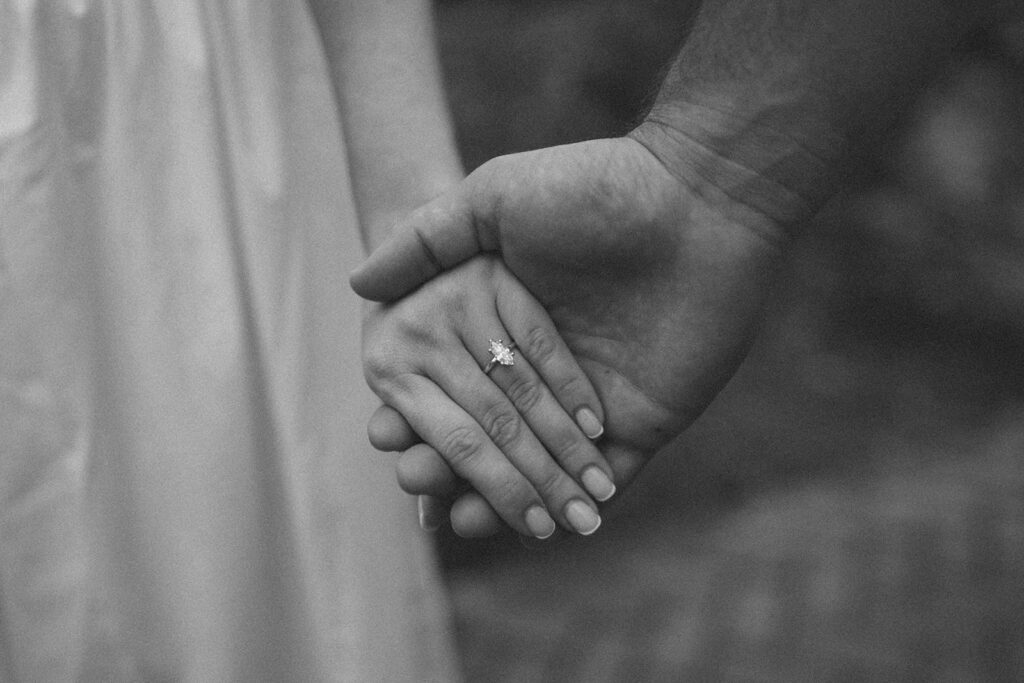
x=770, y=169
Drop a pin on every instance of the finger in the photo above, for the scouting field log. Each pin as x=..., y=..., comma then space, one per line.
x=472, y=517
x=555, y=429
x=432, y=512
x=421, y=470
x=541, y=342
x=388, y=430
x=509, y=430
x=472, y=455
x=433, y=238
x=548, y=386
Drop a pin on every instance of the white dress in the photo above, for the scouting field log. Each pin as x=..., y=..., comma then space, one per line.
x=186, y=490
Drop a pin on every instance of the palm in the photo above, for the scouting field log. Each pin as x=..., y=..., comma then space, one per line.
x=653, y=290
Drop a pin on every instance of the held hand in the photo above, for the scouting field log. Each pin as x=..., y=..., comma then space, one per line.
x=443, y=496
x=654, y=280
x=512, y=424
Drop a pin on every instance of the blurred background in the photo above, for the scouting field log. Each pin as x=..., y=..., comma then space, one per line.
x=852, y=506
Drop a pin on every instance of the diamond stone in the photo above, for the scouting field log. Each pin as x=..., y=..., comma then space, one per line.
x=501, y=353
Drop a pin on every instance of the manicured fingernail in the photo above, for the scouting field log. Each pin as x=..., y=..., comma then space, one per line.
x=589, y=423
x=598, y=484
x=582, y=518
x=428, y=521
x=539, y=522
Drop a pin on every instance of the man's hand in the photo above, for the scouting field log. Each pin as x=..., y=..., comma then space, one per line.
x=652, y=253
x=655, y=286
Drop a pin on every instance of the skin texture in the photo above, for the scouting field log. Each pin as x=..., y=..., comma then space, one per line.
x=397, y=127
x=401, y=153
x=655, y=292
x=510, y=435
x=652, y=253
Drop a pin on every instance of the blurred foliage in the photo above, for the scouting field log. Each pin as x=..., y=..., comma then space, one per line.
x=524, y=74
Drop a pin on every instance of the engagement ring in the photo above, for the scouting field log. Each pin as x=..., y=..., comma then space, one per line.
x=500, y=355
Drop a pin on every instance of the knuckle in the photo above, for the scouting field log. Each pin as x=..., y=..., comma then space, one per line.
x=509, y=494
x=572, y=385
x=502, y=426
x=377, y=366
x=414, y=327
x=540, y=345
x=551, y=483
x=525, y=393
x=391, y=387
x=461, y=447
x=440, y=295
x=567, y=448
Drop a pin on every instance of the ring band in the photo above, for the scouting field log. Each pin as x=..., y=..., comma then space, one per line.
x=500, y=355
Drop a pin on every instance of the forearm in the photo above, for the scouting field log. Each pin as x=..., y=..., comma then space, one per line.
x=766, y=96
x=394, y=115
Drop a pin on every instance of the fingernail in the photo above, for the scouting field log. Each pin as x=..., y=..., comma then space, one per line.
x=589, y=423
x=598, y=484
x=582, y=517
x=539, y=522
x=428, y=521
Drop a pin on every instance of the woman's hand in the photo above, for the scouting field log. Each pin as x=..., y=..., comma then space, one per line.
x=442, y=496
x=655, y=279
x=518, y=434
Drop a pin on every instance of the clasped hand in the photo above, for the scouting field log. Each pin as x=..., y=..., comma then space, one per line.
x=653, y=282
x=517, y=433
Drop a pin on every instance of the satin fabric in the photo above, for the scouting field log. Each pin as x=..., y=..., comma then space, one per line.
x=186, y=493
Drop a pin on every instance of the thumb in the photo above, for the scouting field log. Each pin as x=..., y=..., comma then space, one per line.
x=433, y=238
